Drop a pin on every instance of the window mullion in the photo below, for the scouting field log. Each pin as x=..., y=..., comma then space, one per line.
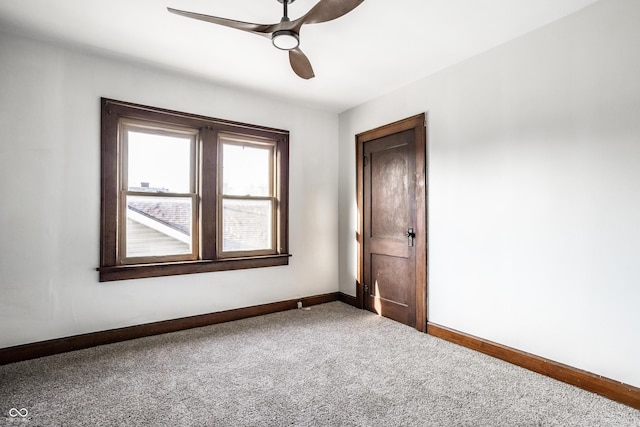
x=208, y=167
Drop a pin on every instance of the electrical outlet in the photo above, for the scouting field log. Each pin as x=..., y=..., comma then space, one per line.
x=299, y=304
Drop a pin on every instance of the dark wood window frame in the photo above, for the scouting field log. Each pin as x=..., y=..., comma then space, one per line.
x=209, y=260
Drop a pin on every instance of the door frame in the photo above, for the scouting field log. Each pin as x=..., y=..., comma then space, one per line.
x=418, y=124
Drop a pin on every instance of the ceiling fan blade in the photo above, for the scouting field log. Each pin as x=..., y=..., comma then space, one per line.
x=259, y=29
x=300, y=64
x=327, y=10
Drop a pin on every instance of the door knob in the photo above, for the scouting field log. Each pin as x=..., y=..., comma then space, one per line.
x=411, y=235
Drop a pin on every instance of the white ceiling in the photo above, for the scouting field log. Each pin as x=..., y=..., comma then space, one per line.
x=378, y=47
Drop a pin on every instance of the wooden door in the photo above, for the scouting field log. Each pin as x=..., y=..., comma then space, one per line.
x=393, y=243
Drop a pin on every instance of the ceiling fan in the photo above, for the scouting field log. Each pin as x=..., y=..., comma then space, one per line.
x=285, y=35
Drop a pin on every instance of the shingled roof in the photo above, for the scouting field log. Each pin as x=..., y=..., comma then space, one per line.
x=245, y=227
x=175, y=214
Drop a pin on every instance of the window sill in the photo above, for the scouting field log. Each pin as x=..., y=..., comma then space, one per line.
x=139, y=271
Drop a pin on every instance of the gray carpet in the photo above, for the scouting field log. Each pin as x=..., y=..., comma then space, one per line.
x=331, y=366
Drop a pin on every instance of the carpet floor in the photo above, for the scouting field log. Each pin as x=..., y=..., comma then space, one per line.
x=332, y=365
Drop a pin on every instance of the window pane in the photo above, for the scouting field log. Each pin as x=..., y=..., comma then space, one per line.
x=158, y=226
x=158, y=163
x=246, y=170
x=246, y=225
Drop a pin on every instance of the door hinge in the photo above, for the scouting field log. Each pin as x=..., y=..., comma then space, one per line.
x=366, y=289
x=365, y=161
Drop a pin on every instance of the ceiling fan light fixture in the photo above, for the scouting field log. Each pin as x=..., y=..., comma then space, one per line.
x=285, y=34
x=285, y=39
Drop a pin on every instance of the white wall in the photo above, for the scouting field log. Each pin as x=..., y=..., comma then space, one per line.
x=50, y=196
x=534, y=190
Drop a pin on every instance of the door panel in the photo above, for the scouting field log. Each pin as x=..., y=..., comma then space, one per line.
x=389, y=204
x=390, y=282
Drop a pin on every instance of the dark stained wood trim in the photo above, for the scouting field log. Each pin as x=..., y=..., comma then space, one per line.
x=108, y=184
x=208, y=219
x=160, y=115
x=614, y=390
x=79, y=342
x=360, y=226
x=418, y=124
x=391, y=128
x=282, y=164
x=320, y=299
x=348, y=299
x=139, y=271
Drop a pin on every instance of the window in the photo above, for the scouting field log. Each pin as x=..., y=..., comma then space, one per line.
x=158, y=196
x=247, y=212
x=185, y=194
